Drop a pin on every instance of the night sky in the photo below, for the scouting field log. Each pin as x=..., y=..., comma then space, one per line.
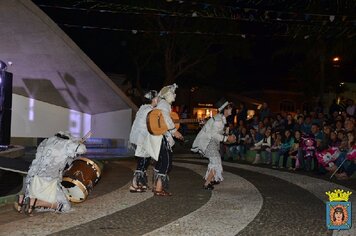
x=247, y=50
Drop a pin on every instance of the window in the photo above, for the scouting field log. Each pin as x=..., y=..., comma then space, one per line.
x=287, y=106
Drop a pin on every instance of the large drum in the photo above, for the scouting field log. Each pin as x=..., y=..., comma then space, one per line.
x=80, y=178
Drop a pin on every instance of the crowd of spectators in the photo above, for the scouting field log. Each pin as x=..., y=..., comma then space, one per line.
x=318, y=141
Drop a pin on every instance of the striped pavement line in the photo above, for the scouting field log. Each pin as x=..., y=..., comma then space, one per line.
x=232, y=206
x=316, y=186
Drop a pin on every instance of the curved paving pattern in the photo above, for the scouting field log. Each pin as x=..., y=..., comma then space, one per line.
x=153, y=212
x=285, y=207
x=46, y=223
x=316, y=186
x=222, y=214
x=114, y=176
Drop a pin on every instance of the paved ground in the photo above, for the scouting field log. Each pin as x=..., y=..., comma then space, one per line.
x=251, y=201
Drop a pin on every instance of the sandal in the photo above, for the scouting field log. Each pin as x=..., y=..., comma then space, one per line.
x=162, y=193
x=136, y=190
x=29, y=208
x=142, y=186
x=18, y=205
x=208, y=187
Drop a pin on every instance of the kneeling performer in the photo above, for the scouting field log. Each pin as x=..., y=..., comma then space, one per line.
x=42, y=187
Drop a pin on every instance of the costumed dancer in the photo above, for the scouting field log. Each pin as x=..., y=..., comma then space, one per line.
x=42, y=187
x=160, y=146
x=138, y=137
x=208, y=142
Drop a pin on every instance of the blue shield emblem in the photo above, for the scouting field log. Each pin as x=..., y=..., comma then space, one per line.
x=338, y=215
x=338, y=210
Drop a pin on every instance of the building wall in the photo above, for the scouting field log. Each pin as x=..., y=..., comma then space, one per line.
x=33, y=119
x=114, y=125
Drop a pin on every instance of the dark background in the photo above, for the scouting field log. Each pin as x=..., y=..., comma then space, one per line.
x=249, y=44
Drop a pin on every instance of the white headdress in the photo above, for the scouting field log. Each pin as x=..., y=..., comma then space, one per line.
x=151, y=94
x=168, y=93
x=167, y=89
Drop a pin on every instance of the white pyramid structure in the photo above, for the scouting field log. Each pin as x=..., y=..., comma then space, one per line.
x=55, y=85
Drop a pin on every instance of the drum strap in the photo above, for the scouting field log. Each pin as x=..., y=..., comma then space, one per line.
x=77, y=148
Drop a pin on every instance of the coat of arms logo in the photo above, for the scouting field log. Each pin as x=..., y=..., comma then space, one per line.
x=338, y=210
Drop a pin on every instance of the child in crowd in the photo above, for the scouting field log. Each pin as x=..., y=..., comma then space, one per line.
x=294, y=151
x=264, y=146
x=284, y=150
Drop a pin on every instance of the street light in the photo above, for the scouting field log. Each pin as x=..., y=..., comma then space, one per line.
x=336, y=59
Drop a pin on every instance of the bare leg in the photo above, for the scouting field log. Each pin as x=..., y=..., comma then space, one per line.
x=210, y=177
x=18, y=205
x=158, y=186
x=41, y=203
x=35, y=203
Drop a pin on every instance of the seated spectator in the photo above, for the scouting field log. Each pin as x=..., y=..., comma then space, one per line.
x=242, y=113
x=253, y=137
x=289, y=124
x=293, y=152
x=334, y=108
x=306, y=128
x=299, y=124
x=226, y=148
x=339, y=126
x=265, y=111
x=349, y=124
x=276, y=141
x=264, y=146
x=309, y=147
x=287, y=143
x=351, y=107
x=341, y=135
x=279, y=123
x=243, y=141
x=261, y=129
x=346, y=162
x=266, y=122
x=254, y=122
x=334, y=141
x=325, y=141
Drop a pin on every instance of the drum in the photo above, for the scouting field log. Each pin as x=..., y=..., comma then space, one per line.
x=80, y=178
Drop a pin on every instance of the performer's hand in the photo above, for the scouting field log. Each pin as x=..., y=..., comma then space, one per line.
x=178, y=135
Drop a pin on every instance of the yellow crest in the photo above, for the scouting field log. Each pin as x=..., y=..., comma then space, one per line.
x=338, y=195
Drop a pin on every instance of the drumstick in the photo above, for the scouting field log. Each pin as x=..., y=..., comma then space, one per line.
x=86, y=136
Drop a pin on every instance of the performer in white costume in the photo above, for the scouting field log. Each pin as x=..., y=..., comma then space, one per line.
x=160, y=146
x=42, y=187
x=138, y=136
x=208, y=142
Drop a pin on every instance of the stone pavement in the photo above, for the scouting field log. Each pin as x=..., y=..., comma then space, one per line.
x=252, y=200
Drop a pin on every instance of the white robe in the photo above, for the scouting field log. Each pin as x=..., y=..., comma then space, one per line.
x=139, y=133
x=52, y=156
x=213, y=129
x=153, y=142
x=207, y=143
